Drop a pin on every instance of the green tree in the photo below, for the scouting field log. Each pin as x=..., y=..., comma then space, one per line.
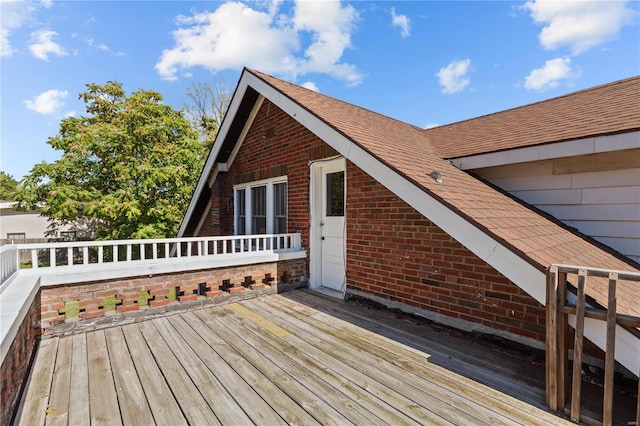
x=209, y=104
x=129, y=165
x=8, y=187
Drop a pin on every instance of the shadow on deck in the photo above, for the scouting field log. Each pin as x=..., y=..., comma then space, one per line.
x=293, y=358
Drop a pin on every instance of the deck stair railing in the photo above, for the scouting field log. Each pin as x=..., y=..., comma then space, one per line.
x=76, y=253
x=558, y=311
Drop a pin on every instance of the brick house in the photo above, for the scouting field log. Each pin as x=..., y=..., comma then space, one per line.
x=453, y=223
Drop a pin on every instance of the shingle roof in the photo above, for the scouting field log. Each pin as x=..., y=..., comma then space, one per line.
x=533, y=236
x=602, y=110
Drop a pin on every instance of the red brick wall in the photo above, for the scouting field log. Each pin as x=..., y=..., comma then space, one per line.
x=396, y=253
x=73, y=302
x=392, y=250
x=15, y=367
x=276, y=145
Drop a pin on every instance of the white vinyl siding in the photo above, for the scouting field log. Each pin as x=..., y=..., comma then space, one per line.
x=602, y=204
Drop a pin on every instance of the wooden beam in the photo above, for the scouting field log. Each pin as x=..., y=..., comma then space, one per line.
x=562, y=328
x=551, y=353
x=621, y=319
x=610, y=358
x=576, y=385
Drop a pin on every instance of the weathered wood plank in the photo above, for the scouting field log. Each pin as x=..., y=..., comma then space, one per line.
x=164, y=407
x=357, y=393
x=324, y=387
x=102, y=391
x=387, y=399
x=194, y=407
x=487, y=367
x=228, y=366
x=610, y=358
x=58, y=409
x=36, y=395
x=576, y=383
x=401, y=354
x=379, y=364
x=552, y=352
x=312, y=403
x=219, y=399
x=132, y=401
x=79, y=391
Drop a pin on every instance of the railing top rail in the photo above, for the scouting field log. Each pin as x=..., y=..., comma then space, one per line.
x=598, y=272
x=8, y=247
x=97, y=243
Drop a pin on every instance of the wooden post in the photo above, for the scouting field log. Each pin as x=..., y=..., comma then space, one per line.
x=562, y=328
x=576, y=384
x=610, y=357
x=551, y=354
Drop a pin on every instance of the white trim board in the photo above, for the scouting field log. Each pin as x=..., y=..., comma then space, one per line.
x=585, y=146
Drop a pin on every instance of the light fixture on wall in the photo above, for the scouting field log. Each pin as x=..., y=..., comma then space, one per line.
x=436, y=175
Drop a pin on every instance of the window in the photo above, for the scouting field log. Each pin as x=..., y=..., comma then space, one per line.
x=261, y=207
x=335, y=194
x=71, y=235
x=280, y=208
x=16, y=236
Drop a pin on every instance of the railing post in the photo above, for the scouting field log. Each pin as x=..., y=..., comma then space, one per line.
x=52, y=257
x=34, y=258
x=552, y=339
x=576, y=383
x=610, y=357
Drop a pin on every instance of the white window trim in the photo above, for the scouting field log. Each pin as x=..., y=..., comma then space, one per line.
x=269, y=183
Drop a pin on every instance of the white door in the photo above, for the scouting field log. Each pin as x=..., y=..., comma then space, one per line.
x=329, y=187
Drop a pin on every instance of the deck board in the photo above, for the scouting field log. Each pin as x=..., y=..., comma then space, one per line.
x=134, y=407
x=297, y=358
x=104, y=410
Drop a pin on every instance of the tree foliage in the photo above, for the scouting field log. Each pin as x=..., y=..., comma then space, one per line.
x=8, y=187
x=130, y=165
x=209, y=103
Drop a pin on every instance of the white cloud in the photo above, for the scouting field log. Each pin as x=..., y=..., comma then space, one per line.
x=42, y=45
x=100, y=46
x=402, y=22
x=48, y=102
x=579, y=25
x=430, y=125
x=14, y=15
x=550, y=75
x=313, y=39
x=311, y=86
x=5, y=45
x=454, y=77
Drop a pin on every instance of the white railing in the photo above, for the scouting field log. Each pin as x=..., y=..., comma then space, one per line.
x=51, y=255
x=8, y=264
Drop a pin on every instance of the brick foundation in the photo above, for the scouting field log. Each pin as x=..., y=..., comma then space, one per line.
x=15, y=367
x=63, y=306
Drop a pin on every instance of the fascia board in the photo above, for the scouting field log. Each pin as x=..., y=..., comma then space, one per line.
x=215, y=150
x=592, y=145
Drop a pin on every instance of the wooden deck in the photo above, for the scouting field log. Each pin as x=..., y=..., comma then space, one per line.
x=295, y=358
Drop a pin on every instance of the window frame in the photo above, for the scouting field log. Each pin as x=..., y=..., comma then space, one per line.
x=270, y=204
x=16, y=235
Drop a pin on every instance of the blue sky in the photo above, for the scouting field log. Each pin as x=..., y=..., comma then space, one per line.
x=424, y=62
